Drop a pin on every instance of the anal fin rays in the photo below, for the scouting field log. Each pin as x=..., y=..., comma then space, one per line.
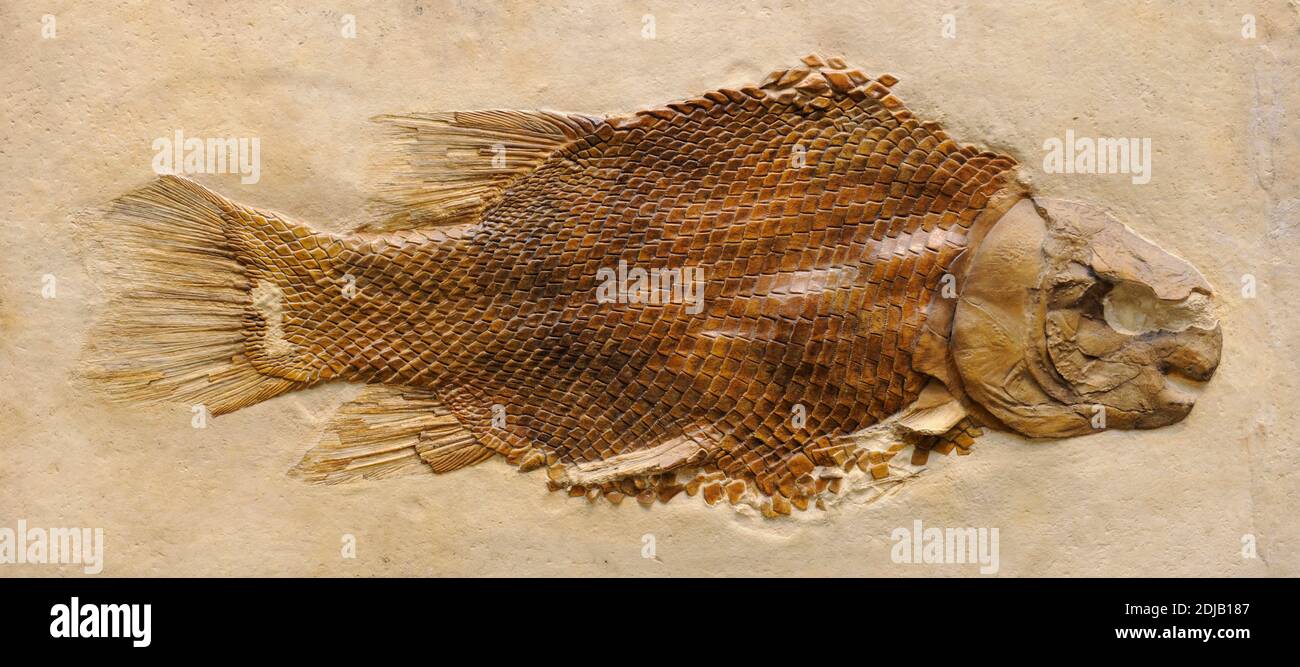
x=390, y=431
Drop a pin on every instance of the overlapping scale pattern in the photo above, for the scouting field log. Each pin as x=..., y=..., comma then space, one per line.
x=821, y=215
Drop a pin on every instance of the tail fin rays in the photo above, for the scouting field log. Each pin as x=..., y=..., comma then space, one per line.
x=173, y=327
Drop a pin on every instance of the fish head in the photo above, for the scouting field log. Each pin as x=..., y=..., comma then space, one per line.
x=1068, y=322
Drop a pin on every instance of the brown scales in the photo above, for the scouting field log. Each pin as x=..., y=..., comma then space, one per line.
x=824, y=217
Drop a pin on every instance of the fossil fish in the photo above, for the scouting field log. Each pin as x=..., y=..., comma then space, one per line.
x=762, y=295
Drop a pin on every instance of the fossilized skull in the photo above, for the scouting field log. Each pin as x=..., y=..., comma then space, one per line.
x=1065, y=314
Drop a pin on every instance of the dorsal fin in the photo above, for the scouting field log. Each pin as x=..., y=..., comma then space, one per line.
x=388, y=431
x=444, y=168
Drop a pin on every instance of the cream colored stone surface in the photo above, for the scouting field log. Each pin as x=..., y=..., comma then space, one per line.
x=81, y=111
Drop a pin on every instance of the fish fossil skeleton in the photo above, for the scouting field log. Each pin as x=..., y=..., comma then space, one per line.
x=869, y=288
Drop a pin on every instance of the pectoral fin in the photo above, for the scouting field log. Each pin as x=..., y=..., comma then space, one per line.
x=934, y=412
x=691, y=447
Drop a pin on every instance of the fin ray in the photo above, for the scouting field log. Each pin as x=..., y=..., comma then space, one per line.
x=438, y=168
x=173, y=327
x=389, y=431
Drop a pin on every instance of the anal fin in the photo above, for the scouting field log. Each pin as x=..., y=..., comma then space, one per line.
x=390, y=431
x=449, y=448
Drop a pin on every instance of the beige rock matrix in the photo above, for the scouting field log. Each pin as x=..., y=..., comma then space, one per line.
x=784, y=295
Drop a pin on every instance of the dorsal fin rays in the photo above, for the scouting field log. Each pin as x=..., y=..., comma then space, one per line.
x=442, y=169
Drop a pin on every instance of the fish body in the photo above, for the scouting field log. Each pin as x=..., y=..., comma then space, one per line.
x=721, y=295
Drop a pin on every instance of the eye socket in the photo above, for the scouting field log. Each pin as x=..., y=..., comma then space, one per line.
x=1134, y=309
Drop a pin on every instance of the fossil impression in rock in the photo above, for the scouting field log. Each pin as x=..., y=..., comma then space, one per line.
x=853, y=291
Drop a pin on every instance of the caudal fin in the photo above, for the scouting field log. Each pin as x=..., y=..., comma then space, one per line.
x=180, y=311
